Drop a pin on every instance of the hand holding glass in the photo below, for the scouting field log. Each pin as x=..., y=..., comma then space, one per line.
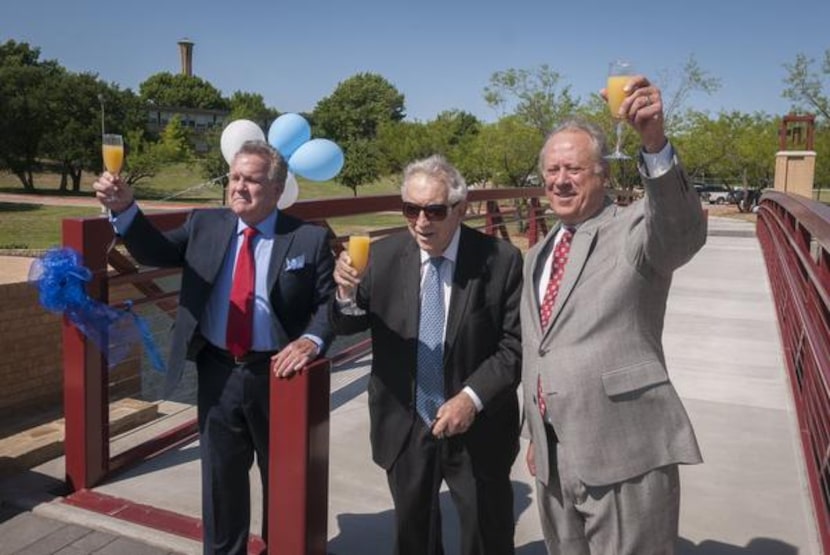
x=619, y=73
x=113, y=151
x=359, y=251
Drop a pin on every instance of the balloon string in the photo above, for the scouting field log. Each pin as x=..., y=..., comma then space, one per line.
x=209, y=183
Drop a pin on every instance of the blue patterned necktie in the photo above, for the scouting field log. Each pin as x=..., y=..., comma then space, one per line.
x=429, y=393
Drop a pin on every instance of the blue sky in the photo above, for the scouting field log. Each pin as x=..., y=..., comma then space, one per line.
x=439, y=54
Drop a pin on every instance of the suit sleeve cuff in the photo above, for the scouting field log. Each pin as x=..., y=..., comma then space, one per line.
x=121, y=222
x=316, y=340
x=657, y=164
x=476, y=400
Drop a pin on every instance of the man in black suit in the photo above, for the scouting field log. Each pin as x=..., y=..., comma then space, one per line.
x=255, y=289
x=441, y=301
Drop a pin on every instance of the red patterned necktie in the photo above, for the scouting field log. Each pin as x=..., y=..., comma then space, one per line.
x=557, y=270
x=240, y=331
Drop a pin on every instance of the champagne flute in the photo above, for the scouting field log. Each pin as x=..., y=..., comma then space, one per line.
x=359, y=251
x=113, y=152
x=619, y=73
x=112, y=149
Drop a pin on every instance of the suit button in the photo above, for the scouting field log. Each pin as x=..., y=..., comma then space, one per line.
x=542, y=352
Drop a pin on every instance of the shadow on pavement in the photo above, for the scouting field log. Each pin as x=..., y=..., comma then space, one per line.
x=357, y=531
x=756, y=546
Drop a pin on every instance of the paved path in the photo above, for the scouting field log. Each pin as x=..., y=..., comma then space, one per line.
x=748, y=498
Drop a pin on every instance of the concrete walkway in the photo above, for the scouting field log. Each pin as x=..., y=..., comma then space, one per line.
x=748, y=498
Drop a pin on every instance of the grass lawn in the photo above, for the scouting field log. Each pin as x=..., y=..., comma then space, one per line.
x=33, y=226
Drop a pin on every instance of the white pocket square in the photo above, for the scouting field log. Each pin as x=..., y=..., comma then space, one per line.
x=295, y=263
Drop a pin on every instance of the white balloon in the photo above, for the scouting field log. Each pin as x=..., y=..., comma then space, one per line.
x=236, y=134
x=290, y=194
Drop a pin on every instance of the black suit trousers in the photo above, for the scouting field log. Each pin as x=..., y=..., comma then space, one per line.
x=233, y=428
x=483, y=500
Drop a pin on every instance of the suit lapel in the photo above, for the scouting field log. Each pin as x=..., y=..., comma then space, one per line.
x=581, y=247
x=583, y=244
x=537, y=265
x=220, y=241
x=408, y=274
x=467, y=269
x=283, y=237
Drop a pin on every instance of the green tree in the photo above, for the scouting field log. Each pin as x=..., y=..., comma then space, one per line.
x=26, y=107
x=74, y=141
x=362, y=164
x=357, y=107
x=400, y=142
x=145, y=157
x=806, y=86
x=822, y=148
x=352, y=116
x=502, y=154
x=212, y=165
x=536, y=96
x=251, y=106
x=182, y=91
x=450, y=130
x=736, y=148
x=174, y=144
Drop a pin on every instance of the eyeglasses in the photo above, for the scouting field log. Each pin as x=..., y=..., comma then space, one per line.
x=433, y=212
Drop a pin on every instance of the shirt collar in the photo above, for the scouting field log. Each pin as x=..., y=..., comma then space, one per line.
x=451, y=252
x=265, y=228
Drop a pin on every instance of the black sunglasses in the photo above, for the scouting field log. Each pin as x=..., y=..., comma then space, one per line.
x=433, y=212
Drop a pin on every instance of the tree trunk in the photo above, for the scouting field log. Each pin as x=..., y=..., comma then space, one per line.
x=76, y=180
x=26, y=179
x=62, y=186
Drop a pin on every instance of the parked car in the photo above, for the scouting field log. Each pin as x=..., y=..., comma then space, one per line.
x=715, y=194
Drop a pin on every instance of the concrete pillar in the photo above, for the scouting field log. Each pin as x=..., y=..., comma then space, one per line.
x=795, y=171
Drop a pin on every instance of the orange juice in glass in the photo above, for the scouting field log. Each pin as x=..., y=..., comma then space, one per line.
x=616, y=94
x=619, y=73
x=113, y=152
x=359, y=251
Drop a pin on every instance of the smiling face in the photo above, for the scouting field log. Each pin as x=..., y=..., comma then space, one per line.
x=251, y=195
x=573, y=176
x=433, y=237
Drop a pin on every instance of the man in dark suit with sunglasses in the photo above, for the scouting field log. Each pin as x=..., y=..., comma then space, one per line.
x=442, y=304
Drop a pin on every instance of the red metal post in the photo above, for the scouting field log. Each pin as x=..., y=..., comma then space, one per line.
x=85, y=399
x=299, y=462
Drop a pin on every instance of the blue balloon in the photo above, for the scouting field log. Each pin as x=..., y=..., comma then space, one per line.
x=288, y=132
x=317, y=160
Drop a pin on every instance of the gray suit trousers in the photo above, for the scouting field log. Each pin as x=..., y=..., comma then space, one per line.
x=635, y=517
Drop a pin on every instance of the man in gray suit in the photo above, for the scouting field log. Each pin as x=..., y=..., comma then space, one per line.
x=607, y=427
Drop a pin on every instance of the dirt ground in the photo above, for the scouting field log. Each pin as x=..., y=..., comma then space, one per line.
x=14, y=269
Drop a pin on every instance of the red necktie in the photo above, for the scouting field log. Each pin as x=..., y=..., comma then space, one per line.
x=557, y=270
x=241, y=311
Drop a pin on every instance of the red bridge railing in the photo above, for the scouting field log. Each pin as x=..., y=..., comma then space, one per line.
x=298, y=471
x=794, y=233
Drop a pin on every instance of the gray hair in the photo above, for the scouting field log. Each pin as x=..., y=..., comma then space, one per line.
x=598, y=141
x=277, y=166
x=437, y=167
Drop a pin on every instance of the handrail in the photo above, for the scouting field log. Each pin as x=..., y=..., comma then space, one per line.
x=298, y=473
x=794, y=233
